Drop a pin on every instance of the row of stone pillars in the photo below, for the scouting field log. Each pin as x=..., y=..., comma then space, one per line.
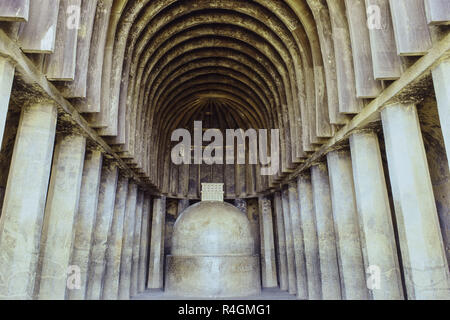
x=66, y=211
x=72, y=226
x=264, y=232
x=336, y=237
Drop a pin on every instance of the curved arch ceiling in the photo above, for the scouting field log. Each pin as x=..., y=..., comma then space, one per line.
x=252, y=64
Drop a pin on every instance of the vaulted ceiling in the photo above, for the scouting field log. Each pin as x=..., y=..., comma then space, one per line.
x=264, y=64
x=145, y=68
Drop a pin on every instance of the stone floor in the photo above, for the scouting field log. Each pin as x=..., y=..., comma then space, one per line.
x=266, y=294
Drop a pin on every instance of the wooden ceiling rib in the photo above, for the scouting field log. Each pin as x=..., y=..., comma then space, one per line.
x=241, y=54
x=139, y=69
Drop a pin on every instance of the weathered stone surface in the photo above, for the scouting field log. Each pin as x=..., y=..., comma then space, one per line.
x=205, y=229
x=374, y=213
x=422, y=248
x=21, y=219
x=212, y=276
x=329, y=269
x=127, y=243
x=114, y=245
x=136, y=244
x=6, y=81
x=281, y=243
x=145, y=232
x=268, y=265
x=253, y=213
x=145, y=68
x=290, y=250
x=203, y=263
x=103, y=221
x=155, y=270
x=58, y=229
x=346, y=226
x=241, y=204
x=441, y=80
x=311, y=243
x=299, y=247
x=182, y=205
x=439, y=170
x=85, y=220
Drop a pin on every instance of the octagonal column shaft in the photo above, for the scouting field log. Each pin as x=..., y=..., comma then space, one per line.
x=85, y=220
x=143, y=255
x=6, y=81
x=346, y=225
x=127, y=243
x=329, y=270
x=114, y=245
x=441, y=81
x=156, y=263
x=374, y=213
x=21, y=219
x=281, y=243
x=268, y=266
x=299, y=248
x=290, y=255
x=103, y=221
x=241, y=204
x=182, y=205
x=311, y=243
x=62, y=206
x=136, y=244
x=422, y=248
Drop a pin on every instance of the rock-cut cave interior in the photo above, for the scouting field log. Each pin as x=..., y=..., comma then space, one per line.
x=347, y=101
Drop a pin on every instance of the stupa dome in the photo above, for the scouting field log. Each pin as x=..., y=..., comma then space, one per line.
x=212, y=253
x=212, y=228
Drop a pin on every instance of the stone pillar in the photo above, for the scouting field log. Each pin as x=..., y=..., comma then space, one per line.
x=310, y=241
x=281, y=243
x=329, y=270
x=268, y=266
x=182, y=205
x=103, y=221
x=375, y=217
x=253, y=215
x=143, y=255
x=127, y=243
x=136, y=244
x=423, y=253
x=6, y=80
x=299, y=248
x=241, y=204
x=114, y=245
x=60, y=210
x=346, y=226
x=290, y=255
x=441, y=80
x=156, y=263
x=21, y=219
x=85, y=219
